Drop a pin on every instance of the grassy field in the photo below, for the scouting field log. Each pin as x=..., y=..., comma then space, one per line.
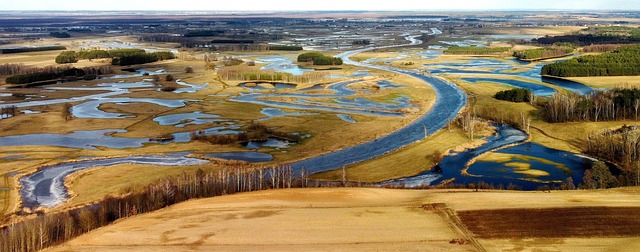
x=609, y=81
x=352, y=219
x=115, y=180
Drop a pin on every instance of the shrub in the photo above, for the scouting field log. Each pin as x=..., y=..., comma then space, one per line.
x=514, y=95
x=66, y=57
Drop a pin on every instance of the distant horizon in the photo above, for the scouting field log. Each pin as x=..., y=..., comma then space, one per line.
x=326, y=5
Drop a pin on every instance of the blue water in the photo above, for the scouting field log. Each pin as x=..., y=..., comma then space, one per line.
x=506, y=68
x=346, y=118
x=253, y=157
x=449, y=101
x=494, y=173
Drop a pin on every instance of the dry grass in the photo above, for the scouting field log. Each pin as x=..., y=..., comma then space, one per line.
x=311, y=219
x=609, y=82
x=115, y=180
x=345, y=219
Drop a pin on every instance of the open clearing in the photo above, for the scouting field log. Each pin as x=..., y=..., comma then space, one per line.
x=359, y=219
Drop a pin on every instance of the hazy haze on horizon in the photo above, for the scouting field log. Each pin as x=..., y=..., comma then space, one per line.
x=284, y=5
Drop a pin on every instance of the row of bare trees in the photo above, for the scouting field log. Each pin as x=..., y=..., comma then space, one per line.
x=617, y=104
x=248, y=74
x=8, y=111
x=49, y=229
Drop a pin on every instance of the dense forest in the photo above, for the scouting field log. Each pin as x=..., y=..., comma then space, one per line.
x=610, y=105
x=31, y=49
x=542, y=53
x=514, y=95
x=624, y=61
x=475, y=50
x=31, y=75
x=319, y=59
x=596, y=35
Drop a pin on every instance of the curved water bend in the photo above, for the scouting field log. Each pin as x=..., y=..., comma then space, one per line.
x=451, y=166
x=46, y=187
x=449, y=101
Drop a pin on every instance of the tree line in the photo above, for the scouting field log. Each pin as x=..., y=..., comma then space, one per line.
x=624, y=61
x=475, y=50
x=31, y=49
x=122, y=57
x=587, y=39
x=609, y=105
x=8, y=111
x=284, y=48
x=60, y=34
x=248, y=74
x=542, y=53
x=57, y=72
x=601, y=48
x=319, y=59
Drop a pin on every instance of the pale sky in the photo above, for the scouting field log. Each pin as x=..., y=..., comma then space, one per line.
x=267, y=5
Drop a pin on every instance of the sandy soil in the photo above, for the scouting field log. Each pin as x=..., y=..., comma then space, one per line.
x=342, y=219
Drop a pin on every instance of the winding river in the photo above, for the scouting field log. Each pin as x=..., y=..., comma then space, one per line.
x=46, y=186
x=449, y=101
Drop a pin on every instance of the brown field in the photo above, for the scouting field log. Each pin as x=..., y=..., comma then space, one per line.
x=553, y=222
x=364, y=219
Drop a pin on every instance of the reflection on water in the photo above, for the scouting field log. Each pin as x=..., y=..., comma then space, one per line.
x=252, y=157
x=271, y=142
x=282, y=64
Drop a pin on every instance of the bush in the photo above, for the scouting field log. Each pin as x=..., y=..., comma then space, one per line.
x=168, y=88
x=514, y=95
x=188, y=69
x=66, y=57
x=169, y=77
